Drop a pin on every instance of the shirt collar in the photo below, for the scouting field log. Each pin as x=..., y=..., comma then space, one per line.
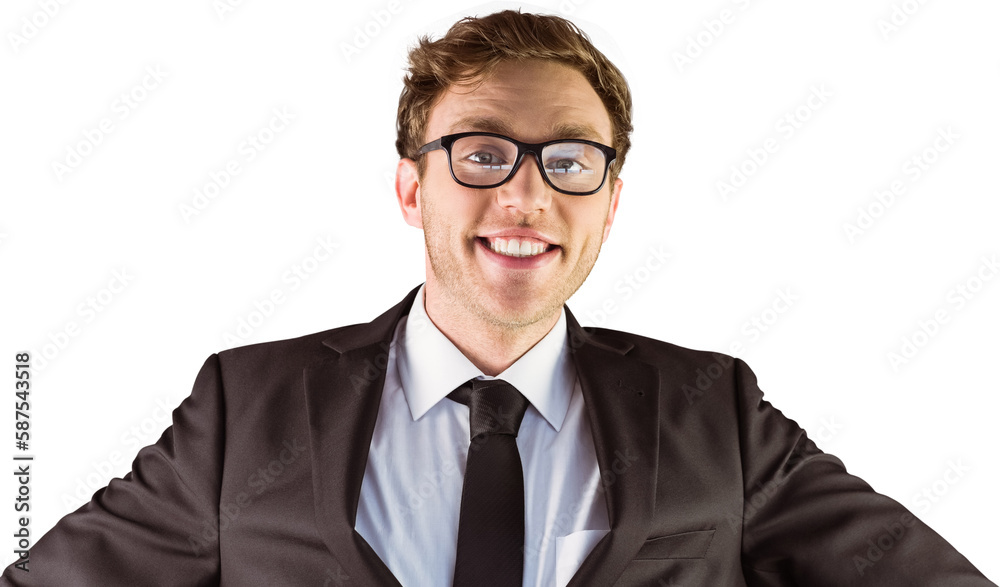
x=430, y=367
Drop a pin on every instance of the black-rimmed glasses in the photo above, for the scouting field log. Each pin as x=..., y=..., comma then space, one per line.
x=487, y=160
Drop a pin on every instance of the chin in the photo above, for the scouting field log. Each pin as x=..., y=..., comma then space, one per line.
x=507, y=313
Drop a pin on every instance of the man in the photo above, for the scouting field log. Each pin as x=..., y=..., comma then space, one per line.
x=370, y=454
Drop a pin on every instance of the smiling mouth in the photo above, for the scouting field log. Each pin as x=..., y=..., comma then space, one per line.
x=513, y=247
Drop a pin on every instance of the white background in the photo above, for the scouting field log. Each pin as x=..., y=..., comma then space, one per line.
x=824, y=360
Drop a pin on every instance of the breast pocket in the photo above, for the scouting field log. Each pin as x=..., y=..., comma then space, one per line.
x=685, y=545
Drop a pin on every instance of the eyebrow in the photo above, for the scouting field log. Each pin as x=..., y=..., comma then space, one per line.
x=564, y=130
x=481, y=124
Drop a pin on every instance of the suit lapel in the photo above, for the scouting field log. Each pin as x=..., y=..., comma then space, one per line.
x=622, y=398
x=342, y=402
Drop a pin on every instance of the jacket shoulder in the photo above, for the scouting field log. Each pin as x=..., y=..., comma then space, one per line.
x=323, y=345
x=656, y=352
x=290, y=352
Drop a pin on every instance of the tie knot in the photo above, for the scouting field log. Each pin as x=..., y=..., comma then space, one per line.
x=495, y=406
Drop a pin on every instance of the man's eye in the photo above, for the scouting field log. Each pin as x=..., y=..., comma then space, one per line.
x=484, y=158
x=565, y=166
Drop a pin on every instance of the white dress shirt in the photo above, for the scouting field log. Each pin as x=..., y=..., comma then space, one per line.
x=412, y=490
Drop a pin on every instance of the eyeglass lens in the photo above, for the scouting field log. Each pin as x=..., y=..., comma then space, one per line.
x=569, y=165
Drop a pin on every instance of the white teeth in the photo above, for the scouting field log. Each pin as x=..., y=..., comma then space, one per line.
x=515, y=248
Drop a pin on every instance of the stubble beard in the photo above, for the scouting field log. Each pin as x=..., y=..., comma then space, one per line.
x=473, y=296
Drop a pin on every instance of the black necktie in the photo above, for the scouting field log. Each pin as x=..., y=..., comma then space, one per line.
x=491, y=522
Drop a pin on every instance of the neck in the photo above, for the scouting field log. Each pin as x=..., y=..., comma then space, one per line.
x=490, y=346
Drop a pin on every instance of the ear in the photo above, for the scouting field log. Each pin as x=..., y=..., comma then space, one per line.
x=616, y=191
x=408, y=192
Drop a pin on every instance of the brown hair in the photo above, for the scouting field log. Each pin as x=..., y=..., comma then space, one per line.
x=472, y=49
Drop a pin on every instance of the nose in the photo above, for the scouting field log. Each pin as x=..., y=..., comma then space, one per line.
x=526, y=192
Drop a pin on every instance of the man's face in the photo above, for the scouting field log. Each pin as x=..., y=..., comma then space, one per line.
x=464, y=228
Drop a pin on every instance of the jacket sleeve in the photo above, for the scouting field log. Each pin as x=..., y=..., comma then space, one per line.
x=156, y=526
x=806, y=521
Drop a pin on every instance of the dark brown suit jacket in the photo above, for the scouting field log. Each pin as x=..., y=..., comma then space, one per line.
x=257, y=480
